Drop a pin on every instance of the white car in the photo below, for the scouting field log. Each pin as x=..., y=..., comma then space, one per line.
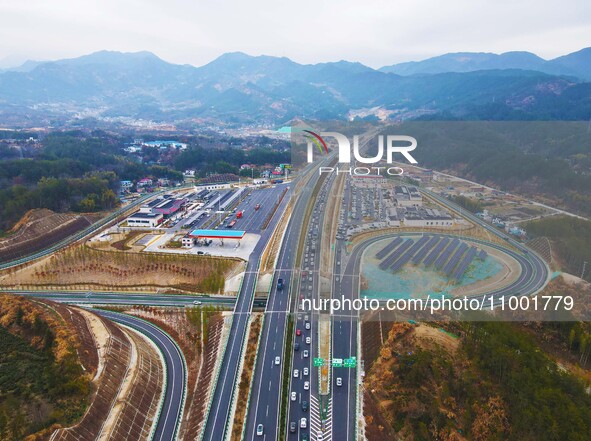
x=294, y=396
x=303, y=423
x=306, y=385
x=308, y=340
x=306, y=353
x=259, y=429
x=319, y=435
x=339, y=381
x=307, y=325
x=196, y=302
x=306, y=371
x=296, y=373
x=278, y=360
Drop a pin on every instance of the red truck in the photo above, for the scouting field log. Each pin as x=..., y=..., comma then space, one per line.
x=239, y=215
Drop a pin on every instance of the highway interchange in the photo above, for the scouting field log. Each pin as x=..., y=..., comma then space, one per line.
x=327, y=417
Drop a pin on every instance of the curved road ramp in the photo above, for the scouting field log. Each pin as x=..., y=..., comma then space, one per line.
x=140, y=381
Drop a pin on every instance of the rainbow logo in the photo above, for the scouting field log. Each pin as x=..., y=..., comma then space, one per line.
x=317, y=139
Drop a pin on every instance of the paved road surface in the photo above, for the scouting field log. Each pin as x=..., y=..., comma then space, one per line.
x=176, y=374
x=219, y=412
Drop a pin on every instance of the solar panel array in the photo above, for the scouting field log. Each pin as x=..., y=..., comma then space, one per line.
x=454, y=259
x=451, y=256
x=446, y=253
x=394, y=255
x=433, y=254
x=423, y=252
x=463, y=265
x=388, y=248
x=405, y=257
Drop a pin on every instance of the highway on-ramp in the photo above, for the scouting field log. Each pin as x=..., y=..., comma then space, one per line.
x=171, y=411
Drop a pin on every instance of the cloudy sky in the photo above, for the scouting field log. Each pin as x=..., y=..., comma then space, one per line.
x=373, y=32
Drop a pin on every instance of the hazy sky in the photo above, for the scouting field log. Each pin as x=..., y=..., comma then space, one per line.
x=375, y=33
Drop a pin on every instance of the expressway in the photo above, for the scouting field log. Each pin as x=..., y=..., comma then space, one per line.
x=266, y=391
x=308, y=403
x=218, y=416
x=171, y=410
x=344, y=342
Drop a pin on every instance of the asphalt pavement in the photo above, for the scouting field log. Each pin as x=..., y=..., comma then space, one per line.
x=176, y=374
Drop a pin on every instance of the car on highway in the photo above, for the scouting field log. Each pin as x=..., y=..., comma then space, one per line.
x=307, y=325
x=280, y=285
x=259, y=429
x=306, y=353
x=305, y=406
x=294, y=396
x=339, y=381
x=278, y=360
x=319, y=435
x=296, y=346
x=292, y=427
x=308, y=340
x=296, y=373
x=306, y=385
x=196, y=302
x=304, y=437
x=303, y=423
x=298, y=332
x=306, y=372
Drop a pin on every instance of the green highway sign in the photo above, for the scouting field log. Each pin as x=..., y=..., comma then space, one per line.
x=337, y=362
x=350, y=362
x=318, y=362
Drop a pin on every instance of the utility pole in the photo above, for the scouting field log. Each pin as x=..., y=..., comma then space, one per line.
x=584, y=268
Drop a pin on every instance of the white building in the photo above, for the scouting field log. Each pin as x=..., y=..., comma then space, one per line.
x=142, y=219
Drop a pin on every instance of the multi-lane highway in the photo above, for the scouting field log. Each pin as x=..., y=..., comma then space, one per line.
x=344, y=342
x=226, y=386
x=265, y=401
x=171, y=410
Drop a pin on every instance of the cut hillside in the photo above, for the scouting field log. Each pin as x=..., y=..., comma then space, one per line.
x=473, y=381
x=45, y=370
x=39, y=229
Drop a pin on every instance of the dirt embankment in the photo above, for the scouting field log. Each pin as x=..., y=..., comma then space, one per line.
x=87, y=268
x=197, y=332
x=128, y=385
x=39, y=229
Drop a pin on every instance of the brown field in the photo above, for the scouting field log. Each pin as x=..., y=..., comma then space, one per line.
x=83, y=267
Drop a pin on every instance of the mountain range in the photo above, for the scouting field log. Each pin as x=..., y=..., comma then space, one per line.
x=576, y=64
x=238, y=88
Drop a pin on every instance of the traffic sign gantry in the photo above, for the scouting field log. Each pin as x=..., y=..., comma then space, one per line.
x=337, y=362
x=318, y=362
